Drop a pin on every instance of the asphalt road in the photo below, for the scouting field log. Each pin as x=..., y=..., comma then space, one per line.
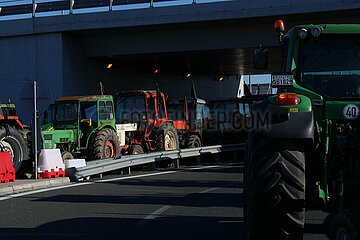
x=202, y=203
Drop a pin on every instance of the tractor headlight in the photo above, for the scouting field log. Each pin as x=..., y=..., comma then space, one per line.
x=315, y=32
x=302, y=33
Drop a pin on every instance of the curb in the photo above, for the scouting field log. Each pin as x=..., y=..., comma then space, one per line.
x=31, y=185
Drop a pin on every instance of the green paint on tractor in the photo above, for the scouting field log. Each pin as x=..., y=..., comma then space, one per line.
x=77, y=124
x=314, y=148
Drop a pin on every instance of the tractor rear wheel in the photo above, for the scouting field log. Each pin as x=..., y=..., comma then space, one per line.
x=274, y=188
x=136, y=149
x=66, y=156
x=346, y=225
x=194, y=141
x=104, y=144
x=13, y=141
x=166, y=137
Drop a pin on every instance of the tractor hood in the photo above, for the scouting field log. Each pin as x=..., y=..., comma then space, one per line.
x=51, y=137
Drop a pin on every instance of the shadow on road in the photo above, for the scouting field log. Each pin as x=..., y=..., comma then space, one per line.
x=190, y=200
x=167, y=227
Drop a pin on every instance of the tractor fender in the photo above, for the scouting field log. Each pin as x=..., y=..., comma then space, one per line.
x=277, y=121
x=13, y=121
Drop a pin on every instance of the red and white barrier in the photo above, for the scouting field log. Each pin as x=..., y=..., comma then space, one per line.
x=7, y=170
x=50, y=164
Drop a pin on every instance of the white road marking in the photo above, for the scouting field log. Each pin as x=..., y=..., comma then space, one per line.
x=111, y=180
x=153, y=215
x=216, y=188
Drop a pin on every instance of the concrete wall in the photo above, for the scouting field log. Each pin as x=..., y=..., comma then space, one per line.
x=28, y=58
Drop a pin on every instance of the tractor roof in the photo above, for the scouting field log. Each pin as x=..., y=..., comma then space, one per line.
x=85, y=98
x=135, y=92
x=328, y=29
x=188, y=100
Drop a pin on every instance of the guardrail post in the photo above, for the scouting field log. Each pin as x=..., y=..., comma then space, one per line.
x=217, y=157
x=151, y=166
x=72, y=2
x=236, y=156
x=197, y=160
x=151, y=3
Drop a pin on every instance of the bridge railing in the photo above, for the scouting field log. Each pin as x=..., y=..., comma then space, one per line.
x=11, y=7
x=106, y=165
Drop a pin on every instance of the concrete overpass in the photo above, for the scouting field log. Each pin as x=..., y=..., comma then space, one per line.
x=69, y=53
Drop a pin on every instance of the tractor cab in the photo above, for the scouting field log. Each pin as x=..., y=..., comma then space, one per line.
x=75, y=119
x=192, y=113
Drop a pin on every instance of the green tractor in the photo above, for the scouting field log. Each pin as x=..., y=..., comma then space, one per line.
x=305, y=150
x=82, y=126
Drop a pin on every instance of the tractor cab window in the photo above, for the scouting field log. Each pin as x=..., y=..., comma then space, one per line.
x=106, y=110
x=161, y=108
x=89, y=111
x=223, y=111
x=130, y=109
x=330, y=65
x=49, y=114
x=66, y=112
x=244, y=109
x=176, y=111
x=206, y=112
x=151, y=108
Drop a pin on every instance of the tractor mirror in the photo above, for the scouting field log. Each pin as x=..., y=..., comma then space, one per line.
x=261, y=56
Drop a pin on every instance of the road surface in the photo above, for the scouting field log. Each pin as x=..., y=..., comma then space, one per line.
x=204, y=202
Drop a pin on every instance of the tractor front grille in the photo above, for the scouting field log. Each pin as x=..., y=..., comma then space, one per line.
x=48, y=137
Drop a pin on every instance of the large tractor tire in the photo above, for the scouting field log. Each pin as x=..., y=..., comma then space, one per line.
x=104, y=144
x=274, y=188
x=12, y=140
x=136, y=149
x=346, y=226
x=166, y=138
x=194, y=141
x=66, y=156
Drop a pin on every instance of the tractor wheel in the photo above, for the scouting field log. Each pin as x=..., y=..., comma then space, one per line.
x=12, y=140
x=136, y=149
x=105, y=144
x=274, y=189
x=194, y=141
x=66, y=155
x=346, y=225
x=166, y=137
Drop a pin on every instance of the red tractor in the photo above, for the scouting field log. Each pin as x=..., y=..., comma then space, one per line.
x=191, y=117
x=142, y=122
x=13, y=137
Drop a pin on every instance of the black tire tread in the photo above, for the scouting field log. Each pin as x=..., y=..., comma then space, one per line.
x=348, y=219
x=97, y=143
x=193, y=141
x=275, y=188
x=160, y=136
x=9, y=130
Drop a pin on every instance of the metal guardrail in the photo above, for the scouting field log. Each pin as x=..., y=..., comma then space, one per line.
x=67, y=5
x=106, y=165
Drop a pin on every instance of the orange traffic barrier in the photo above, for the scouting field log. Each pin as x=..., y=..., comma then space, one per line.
x=7, y=170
